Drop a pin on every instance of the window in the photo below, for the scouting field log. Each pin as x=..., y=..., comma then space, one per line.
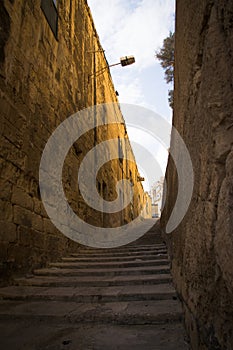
x=120, y=150
x=49, y=7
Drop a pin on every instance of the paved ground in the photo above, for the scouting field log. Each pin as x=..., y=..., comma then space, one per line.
x=111, y=299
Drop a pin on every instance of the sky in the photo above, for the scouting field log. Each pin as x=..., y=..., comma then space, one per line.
x=138, y=28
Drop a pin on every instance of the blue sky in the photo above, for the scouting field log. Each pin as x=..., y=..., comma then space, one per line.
x=137, y=27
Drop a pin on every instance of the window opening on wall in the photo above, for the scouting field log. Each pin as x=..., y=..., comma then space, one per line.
x=120, y=150
x=49, y=8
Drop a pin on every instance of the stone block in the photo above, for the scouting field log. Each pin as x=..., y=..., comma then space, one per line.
x=23, y=182
x=33, y=160
x=9, y=172
x=8, y=232
x=39, y=208
x=34, y=190
x=25, y=236
x=6, y=211
x=22, y=216
x=29, y=184
x=37, y=222
x=13, y=134
x=49, y=226
x=20, y=257
x=22, y=198
x=5, y=190
x=13, y=154
x=39, y=239
x=3, y=251
x=52, y=244
x=4, y=105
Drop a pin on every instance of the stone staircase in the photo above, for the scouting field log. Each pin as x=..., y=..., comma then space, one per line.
x=119, y=298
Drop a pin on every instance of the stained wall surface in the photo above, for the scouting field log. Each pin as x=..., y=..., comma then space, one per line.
x=201, y=247
x=44, y=78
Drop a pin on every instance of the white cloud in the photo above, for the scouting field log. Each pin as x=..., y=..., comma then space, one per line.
x=106, y=17
x=133, y=27
x=130, y=90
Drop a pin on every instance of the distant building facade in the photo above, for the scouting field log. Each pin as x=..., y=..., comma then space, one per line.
x=147, y=211
x=155, y=210
x=157, y=196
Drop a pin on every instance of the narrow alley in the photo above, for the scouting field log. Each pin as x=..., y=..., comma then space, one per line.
x=116, y=175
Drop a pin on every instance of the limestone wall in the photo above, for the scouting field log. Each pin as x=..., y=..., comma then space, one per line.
x=43, y=80
x=202, y=246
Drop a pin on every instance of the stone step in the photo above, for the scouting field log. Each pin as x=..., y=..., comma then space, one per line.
x=119, y=298
x=24, y=335
x=122, y=249
x=98, y=281
x=90, y=294
x=103, y=272
x=122, y=312
x=148, y=238
x=116, y=258
x=109, y=265
x=118, y=254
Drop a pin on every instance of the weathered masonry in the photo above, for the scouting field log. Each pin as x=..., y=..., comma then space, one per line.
x=50, y=53
x=202, y=246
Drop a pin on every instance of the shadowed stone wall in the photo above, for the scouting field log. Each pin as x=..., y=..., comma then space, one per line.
x=43, y=80
x=202, y=246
